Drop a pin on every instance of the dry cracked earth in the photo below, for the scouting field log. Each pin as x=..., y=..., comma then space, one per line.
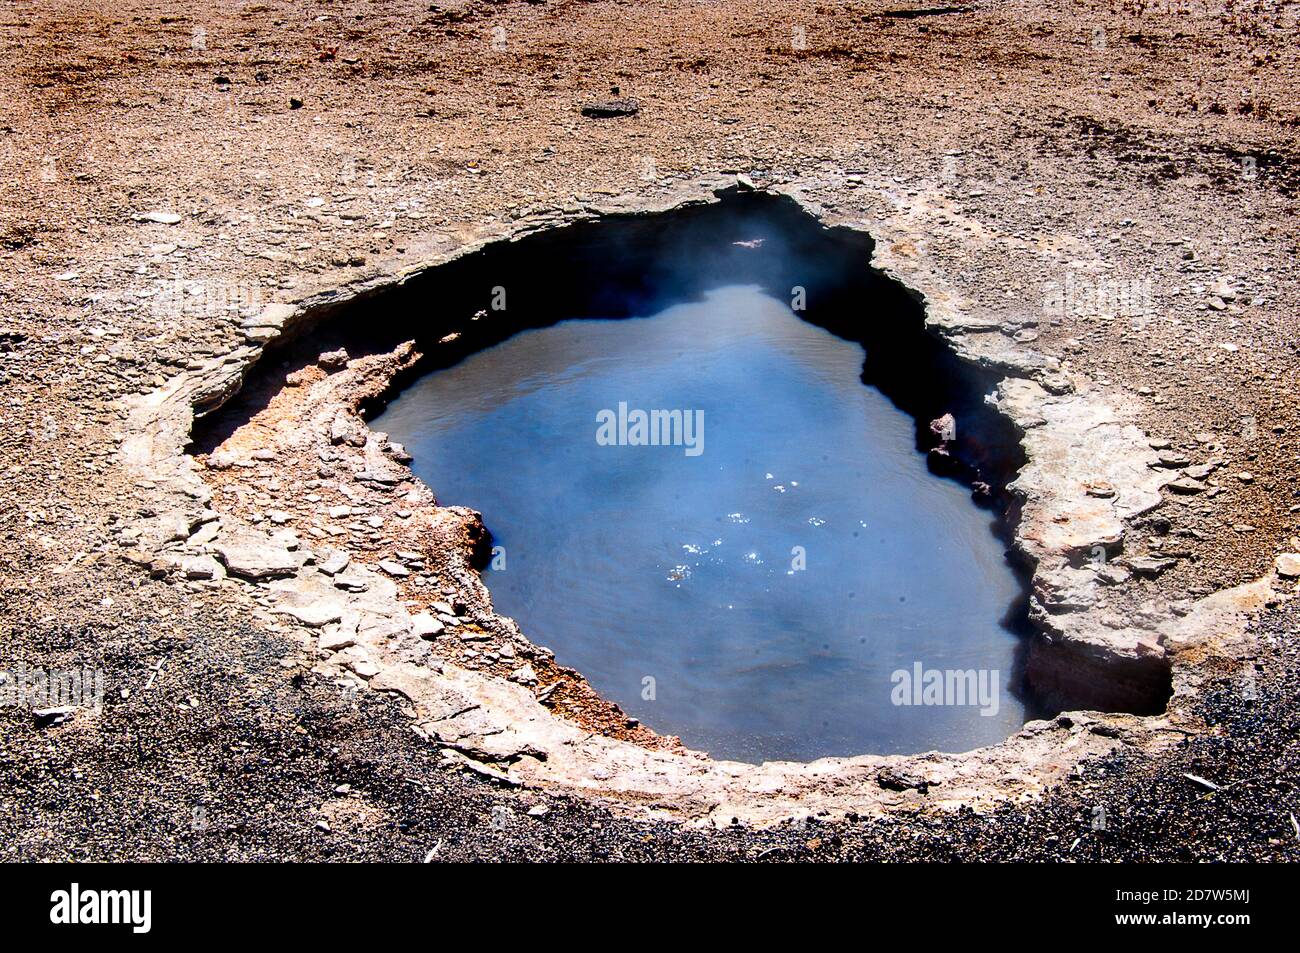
x=169, y=168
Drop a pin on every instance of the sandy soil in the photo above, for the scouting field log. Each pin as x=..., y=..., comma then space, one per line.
x=302, y=147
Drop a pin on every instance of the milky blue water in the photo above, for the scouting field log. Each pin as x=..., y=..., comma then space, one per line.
x=755, y=597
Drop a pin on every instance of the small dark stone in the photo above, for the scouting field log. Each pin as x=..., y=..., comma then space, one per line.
x=611, y=109
x=295, y=103
x=891, y=780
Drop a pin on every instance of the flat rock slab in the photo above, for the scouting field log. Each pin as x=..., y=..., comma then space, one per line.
x=314, y=614
x=255, y=558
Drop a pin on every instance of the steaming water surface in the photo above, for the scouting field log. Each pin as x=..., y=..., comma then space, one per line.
x=674, y=581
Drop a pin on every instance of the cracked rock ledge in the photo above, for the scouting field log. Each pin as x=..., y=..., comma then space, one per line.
x=373, y=624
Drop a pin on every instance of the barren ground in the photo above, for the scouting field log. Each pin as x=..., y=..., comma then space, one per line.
x=1157, y=142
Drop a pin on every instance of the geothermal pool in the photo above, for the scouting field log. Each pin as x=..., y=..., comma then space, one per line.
x=766, y=567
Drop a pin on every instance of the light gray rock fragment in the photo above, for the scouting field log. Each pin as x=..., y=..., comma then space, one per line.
x=251, y=557
x=337, y=561
x=1150, y=566
x=1288, y=565
x=333, y=360
x=202, y=567
x=426, y=626
x=337, y=640
x=345, y=428
x=313, y=614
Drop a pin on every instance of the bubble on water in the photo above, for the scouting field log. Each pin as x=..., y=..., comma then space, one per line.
x=678, y=573
x=692, y=548
x=779, y=488
x=816, y=521
x=738, y=517
x=753, y=559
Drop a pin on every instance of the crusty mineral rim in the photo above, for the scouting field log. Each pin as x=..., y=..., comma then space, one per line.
x=1072, y=439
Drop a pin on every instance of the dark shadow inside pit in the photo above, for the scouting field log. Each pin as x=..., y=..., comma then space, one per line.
x=622, y=266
